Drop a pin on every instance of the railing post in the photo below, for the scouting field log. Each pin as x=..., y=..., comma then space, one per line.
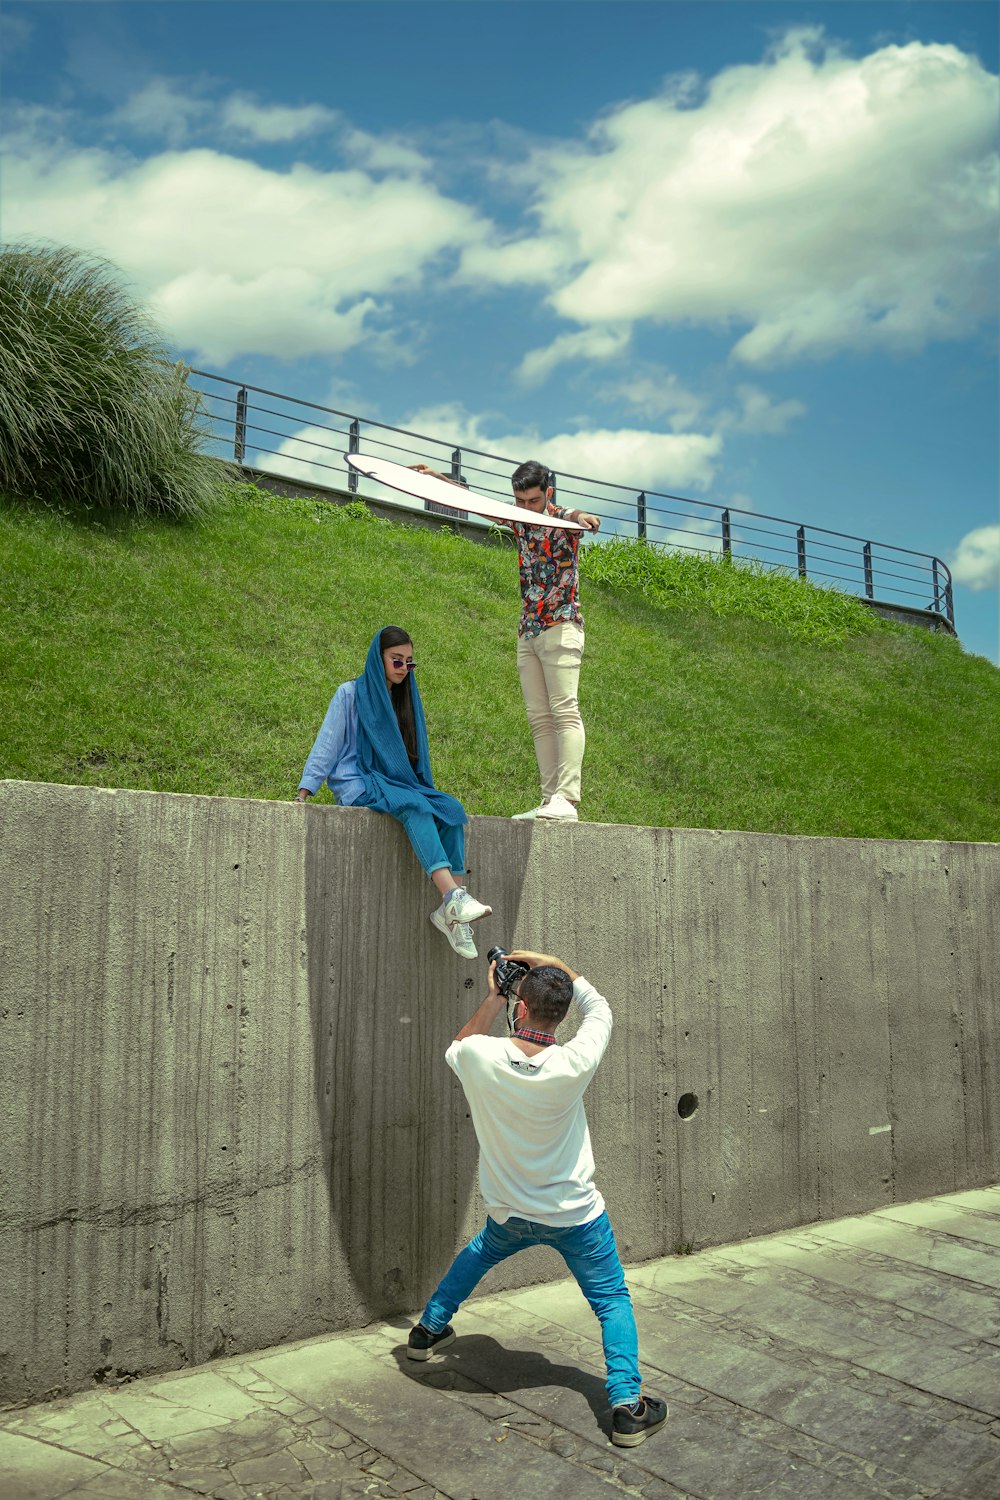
x=240, y=431
x=800, y=543
x=641, y=515
x=727, y=535
x=450, y=510
x=552, y=486
x=937, y=585
x=949, y=603
x=353, y=446
x=869, y=575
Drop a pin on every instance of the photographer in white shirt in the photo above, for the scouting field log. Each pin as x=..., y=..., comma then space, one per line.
x=536, y=1168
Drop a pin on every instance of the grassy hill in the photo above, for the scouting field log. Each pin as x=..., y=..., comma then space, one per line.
x=201, y=658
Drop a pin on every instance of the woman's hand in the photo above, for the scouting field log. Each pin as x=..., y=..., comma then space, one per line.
x=435, y=474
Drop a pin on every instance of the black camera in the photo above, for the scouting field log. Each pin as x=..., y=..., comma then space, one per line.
x=508, y=970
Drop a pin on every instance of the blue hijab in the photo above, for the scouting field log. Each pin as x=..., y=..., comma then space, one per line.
x=392, y=784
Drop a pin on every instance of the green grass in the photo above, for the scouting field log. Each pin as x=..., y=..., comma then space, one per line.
x=677, y=580
x=201, y=658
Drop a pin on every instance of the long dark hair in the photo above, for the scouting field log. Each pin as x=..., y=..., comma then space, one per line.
x=401, y=694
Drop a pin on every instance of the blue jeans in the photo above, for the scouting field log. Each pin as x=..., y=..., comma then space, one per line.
x=438, y=846
x=590, y=1252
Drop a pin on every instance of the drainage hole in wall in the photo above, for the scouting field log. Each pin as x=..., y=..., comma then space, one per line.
x=686, y=1105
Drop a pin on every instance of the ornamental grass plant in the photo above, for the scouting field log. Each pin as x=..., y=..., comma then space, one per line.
x=94, y=417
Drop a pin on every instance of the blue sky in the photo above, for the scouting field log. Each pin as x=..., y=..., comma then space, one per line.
x=740, y=251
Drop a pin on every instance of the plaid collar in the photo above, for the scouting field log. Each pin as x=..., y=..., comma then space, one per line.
x=543, y=1038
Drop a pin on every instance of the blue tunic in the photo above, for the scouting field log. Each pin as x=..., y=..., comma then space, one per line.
x=334, y=756
x=359, y=752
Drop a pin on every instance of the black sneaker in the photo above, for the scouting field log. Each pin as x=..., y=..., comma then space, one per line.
x=422, y=1343
x=632, y=1425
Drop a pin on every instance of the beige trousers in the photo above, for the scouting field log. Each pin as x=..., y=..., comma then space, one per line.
x=549, y=667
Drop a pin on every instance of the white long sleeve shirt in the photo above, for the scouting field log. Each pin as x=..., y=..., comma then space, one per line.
x=535, y=1156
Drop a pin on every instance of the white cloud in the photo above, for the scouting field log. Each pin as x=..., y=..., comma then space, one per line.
x=237, y=258
x=637, y=457
x=244, y=116
x=162, y=110
x=699, y=534
x=382, y=153
x=977, y=559
x=827, y=202
x=632, y=457
x=541, y=261
x=654, y=393
x=288, y=310
x=658, y=394
x=176, y=111
x=590, y=343
x=759, y=414
x=313, y=455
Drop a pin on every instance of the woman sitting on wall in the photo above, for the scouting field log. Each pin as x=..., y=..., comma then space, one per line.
x=372, y=751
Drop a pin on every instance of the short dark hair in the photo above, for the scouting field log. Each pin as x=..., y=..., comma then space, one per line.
x=527, y=475
x=546, y=992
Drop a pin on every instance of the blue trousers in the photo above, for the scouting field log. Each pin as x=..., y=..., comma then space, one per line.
x=438, y=846
x=590, y=1252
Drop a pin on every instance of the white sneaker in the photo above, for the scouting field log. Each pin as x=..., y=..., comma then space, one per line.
x=532, y=812
x=558, y=808
x=460, y=906
x=459, y=934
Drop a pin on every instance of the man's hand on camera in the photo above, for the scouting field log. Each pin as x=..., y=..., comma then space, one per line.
x=492, y=992
x=536, y=960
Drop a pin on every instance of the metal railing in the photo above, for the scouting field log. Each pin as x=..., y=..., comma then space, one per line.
x=296, y=439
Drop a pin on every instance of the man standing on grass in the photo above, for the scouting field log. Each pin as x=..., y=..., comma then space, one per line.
x=549, y=638
x=536, y=1170
x=550, y=641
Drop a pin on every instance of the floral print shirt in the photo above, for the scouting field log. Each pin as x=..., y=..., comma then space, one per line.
x=550, y=578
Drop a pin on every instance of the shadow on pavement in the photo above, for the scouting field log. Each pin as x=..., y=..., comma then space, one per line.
x=489, y=1366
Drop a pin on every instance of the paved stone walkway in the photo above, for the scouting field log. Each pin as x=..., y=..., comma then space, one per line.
x=842, y=1361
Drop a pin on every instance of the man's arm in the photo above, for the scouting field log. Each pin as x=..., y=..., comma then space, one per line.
x=587, y=1048
x=585, y=519
x=482, y=1023
x=537, y=960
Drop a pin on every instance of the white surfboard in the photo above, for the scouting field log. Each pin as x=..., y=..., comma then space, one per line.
x=430, y=487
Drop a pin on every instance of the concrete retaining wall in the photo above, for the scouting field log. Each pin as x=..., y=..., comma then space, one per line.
x=227, y=1120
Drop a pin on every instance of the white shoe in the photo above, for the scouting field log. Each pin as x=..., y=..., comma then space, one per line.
x=557, y=808
x=460, y=906
x=532, y=812
x=459, y=934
